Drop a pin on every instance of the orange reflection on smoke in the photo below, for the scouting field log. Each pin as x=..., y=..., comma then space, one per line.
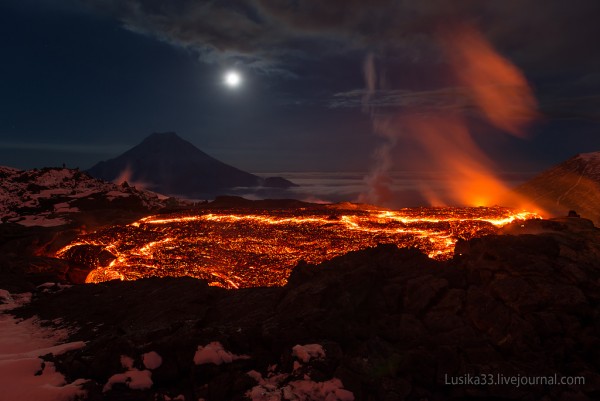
x=438, y=138
x=464, y=168
x=499, y=91
x=495, y=85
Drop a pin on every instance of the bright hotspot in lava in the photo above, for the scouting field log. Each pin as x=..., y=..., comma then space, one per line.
x=236, y=248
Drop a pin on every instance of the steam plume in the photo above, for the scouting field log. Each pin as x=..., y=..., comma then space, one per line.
x=443, y=141
x=496, y=86
x=379, y=180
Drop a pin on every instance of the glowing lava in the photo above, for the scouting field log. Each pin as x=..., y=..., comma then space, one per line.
x=234, y=248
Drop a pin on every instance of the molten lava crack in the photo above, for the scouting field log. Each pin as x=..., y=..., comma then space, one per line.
x=235, y=248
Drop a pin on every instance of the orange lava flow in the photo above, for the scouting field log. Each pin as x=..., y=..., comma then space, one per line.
x=235, y=248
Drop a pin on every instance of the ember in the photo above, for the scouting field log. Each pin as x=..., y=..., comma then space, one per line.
x=235, y=248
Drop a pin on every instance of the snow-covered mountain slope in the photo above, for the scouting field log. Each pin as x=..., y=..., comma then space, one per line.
x=53, y=196
x=571, y=185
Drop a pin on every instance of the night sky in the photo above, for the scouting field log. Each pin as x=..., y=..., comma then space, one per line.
x=82, y=81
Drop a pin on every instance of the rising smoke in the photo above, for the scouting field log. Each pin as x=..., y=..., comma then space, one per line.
x=442, y=140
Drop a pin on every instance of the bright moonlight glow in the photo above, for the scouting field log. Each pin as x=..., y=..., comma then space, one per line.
x=233, y=79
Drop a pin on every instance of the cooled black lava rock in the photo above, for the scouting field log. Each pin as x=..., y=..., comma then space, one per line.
x=90, y=256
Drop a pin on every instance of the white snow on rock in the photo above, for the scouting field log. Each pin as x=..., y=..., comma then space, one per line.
x=268, y=389
x=65, y=207
x=590, y=165
x=117, y=194
x=306, y=352
x=54, y=287
x=215, y=353
x=151, y=360
x=45, y=197
x=40, y=220
x=127, y=362
x=5, y=297
x=271, y=389
x=23, y=374
x=133, y=378
x=331, y=390
x=282, y=387
x=590, y=157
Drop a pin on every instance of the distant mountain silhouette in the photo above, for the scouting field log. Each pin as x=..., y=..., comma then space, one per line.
x=571, y=185
x=168, y=164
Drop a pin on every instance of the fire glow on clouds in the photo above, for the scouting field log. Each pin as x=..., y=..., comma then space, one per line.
x=496, y=89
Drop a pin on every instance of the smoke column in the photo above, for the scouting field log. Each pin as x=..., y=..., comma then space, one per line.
x=379, y=181
x=494, y=89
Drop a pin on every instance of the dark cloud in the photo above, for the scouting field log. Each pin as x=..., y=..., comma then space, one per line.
x=225, y=31
x=546, y=35
x=271, y=34
x=63, y=147
x=552, y=41
x=446, y=99
x=573, y=108
x=75, y=74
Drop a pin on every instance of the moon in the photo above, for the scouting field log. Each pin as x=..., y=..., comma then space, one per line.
x=232, y=79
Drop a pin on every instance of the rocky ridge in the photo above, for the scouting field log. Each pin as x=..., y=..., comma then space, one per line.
x=571, y=185
x=52, y=197
x=42, y=210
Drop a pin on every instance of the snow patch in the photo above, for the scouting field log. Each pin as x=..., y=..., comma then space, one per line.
x=27, y=197
x=23, y=374
x=270, y=389
x=34, y=379
x=127, y=362
x=215, y=353
x=53, y=193
x=12, y=301
x=52, y=287
x=151, y=360
x=85, y=194
x=133, y=378
x=590, y=157
x=54, y=176
x=306, y=352
x=279, y=387
x=43, y=221
x=64, y=207
x=112, y=195
x=5, y=296
x=331, y=390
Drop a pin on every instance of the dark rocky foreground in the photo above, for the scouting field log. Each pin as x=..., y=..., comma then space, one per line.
x=395, y=325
